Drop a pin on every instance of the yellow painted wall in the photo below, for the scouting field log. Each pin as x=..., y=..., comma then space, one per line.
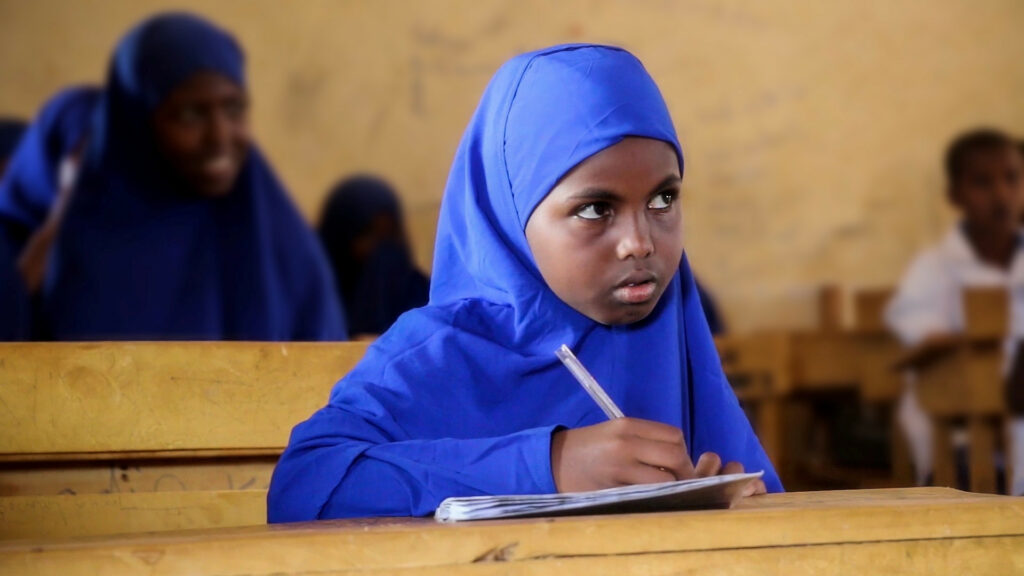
x=813, y=130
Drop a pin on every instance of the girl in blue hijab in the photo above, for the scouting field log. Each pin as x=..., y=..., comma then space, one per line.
x=559, y=225
x=177, y=228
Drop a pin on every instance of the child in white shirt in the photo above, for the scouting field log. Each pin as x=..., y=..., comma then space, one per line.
x=986, y=249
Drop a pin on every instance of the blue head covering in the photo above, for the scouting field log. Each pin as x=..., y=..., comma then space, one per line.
x=138, y=257
x=29, y=186
x=377, y=290
x=461, y=397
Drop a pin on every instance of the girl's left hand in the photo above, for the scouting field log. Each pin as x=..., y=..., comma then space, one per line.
x=710, y=464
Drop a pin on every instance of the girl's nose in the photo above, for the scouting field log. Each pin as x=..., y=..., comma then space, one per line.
x=636, y=241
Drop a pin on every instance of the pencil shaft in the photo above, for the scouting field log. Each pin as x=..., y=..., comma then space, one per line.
x=588, y=382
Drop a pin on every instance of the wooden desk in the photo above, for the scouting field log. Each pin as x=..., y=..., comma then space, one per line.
x=105, y=437
x=897, y=531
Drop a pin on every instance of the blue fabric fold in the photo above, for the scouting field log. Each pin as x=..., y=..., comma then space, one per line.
x=460, y=397
x=30, y=185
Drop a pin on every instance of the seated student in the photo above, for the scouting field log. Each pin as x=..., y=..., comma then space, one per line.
x=363, y=233
x=11, y=132
x=559, y=225
x=177, y=228
x=984, y=171
x=40, y=176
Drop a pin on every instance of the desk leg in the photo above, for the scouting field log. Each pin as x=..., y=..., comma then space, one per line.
x=769, y=423
x=899, y=456
x=981, y=446
x=1008, y=452
x=945, y=466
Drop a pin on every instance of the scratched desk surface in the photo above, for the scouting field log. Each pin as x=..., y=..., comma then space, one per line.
x=916, y=530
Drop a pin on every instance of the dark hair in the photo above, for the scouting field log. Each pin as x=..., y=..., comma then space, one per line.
x=970, y=142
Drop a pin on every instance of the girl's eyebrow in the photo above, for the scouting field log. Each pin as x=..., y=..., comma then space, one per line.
x=605, y=195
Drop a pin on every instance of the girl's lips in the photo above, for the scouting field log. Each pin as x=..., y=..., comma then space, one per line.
x=636, y=293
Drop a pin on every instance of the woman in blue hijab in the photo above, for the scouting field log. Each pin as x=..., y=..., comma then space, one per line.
x=177, y=228
x=364, y=235
x=570, y=160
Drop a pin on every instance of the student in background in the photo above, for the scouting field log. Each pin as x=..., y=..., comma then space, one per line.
x=177, y=228
x=559, y=225
x=11, y=131
x=40, y=176
x=363, y=232
x=985, y=172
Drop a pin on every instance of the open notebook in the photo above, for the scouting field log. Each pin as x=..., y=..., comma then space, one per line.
x=712, y=492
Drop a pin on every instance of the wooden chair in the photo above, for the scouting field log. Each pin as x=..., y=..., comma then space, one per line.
x=960, y=381
x=112, y=437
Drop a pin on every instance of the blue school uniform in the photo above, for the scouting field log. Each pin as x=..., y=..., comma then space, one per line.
x=461, y=397
x=138, y=257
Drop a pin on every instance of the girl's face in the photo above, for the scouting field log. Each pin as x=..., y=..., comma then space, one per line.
x=202, y=129
x=608, y=237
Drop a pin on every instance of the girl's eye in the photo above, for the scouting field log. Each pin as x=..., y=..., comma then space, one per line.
x=593, y=211
x=662, y=200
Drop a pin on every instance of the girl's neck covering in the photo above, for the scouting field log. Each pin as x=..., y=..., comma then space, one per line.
x=460, y=397
x=378, y=290
x=140, y=256
x=30, y=185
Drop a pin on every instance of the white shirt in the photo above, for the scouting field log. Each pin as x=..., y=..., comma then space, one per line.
x=929, y=299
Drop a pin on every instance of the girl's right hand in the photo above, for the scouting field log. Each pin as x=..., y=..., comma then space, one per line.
x=619, y=452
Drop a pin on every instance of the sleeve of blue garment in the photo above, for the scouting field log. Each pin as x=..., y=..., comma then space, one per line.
x=338, y=466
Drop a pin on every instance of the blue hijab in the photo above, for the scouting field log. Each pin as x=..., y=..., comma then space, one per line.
x=379, y=289
x=30, y=185
x=461, y=397
x=139, y=257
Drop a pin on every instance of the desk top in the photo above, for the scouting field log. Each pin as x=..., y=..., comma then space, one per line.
x=934, y=529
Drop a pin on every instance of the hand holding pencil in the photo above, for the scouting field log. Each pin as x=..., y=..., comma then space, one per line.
x=624, y=450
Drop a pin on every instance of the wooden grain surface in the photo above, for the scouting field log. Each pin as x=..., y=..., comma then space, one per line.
x=100, y=398
x=897, y=531
x=67, y=516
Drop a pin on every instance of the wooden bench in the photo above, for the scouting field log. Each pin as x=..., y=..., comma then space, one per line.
x=897, y=531
x=101, y=438
x=960, y=382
